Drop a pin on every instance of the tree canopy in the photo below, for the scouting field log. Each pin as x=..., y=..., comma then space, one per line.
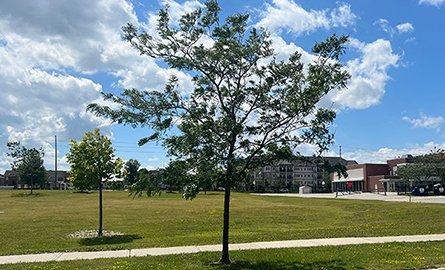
x=92, y=163
x=28, y=162
x=131, y=174
x=149, y=182
x=244, y=100
x=425, y=167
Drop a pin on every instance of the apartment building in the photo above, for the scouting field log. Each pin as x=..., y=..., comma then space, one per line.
x=285, y=175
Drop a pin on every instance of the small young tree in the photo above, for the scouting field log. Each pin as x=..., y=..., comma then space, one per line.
x=28, y=162
x=131, y=171
x=244, y=100
x=92, y=163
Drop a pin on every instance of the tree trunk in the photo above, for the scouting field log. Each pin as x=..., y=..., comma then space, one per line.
x=100, y=210
x=227, y=186
x=31, y=186
x=225, y=244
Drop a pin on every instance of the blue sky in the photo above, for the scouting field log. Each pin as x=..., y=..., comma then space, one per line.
x=57, y=56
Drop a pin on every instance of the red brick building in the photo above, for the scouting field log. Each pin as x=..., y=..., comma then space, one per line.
x=371, y=177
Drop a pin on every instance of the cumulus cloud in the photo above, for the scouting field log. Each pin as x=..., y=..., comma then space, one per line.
x=51, y=52
x=288, y=15
x=49, y=57
x=369, y=75
x=405, y=27
x=436, y=3
x=383, y=154
x=369, y=72
x=425, y=121
x=283, y=50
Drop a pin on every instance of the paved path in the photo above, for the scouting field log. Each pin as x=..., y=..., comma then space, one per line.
x=68, y=256
x=391, y=197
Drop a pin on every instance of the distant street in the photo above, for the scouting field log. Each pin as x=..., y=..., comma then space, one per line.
x=390, y=197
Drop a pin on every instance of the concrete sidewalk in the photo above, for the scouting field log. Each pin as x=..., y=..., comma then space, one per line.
x=68, y=256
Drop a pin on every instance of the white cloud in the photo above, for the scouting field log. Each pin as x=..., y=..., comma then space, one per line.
x=369, y=75
x=283, y=50
x=405, y=27
x=49, y=59
x=426, y=121
x=288, y=15
x=385, y=26
x=399, y=29
x=436, y=3
x=383, y=154
x=369, y=72
x=342, y=16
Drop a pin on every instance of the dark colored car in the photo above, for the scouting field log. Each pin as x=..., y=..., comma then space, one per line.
x=420, y=190
x=439, y=189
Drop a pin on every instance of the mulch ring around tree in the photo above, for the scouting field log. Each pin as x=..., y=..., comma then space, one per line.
x=91, y=238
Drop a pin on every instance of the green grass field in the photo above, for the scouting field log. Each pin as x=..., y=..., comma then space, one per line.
x=42, y=223
x=376, y=256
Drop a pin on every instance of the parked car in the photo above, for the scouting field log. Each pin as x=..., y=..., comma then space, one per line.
x=439, y=189
x=420, y=190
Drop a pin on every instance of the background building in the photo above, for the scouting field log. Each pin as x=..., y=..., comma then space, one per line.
x=11, y=179
x=371, y=177
x=287, y=176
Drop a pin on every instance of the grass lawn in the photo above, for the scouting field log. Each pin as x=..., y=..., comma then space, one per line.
x=42, y=223
x=375, y=256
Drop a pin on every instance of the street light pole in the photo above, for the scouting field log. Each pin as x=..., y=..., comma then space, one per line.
x=55, y=160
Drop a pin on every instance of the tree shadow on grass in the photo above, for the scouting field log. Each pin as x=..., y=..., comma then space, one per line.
x=33, y=195
x=211, y=193
x=83, y=191
x=280, y=265
x=109, y=240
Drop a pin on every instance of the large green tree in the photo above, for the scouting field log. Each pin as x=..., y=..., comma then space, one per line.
x=92, y=163
x=425, y=167
x=28, y=162
x=131, y=173
x=243, y=100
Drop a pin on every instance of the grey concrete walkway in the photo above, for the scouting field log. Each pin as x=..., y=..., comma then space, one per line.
x=68, y=256
x=390, y=197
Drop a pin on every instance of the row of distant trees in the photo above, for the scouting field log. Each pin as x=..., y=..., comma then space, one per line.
x=425, y=167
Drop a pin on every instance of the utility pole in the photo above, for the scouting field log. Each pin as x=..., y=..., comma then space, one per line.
x=339, y=150
x=55, y=161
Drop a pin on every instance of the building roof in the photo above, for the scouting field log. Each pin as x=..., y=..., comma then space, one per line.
x=310, y=160
x=339, y=160
x=403, y=160
x=11, y=173
x=61, y=175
